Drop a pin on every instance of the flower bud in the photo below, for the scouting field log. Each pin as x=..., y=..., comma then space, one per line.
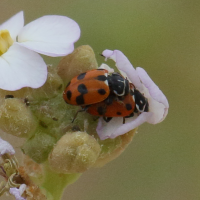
x=16, y=118
x=39, y=146
x=51, y=88
x=81, y=60
x=112, y=148
x=22, y=93
x=74, y=153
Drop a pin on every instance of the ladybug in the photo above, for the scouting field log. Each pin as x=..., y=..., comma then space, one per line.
x=87, y=88
x=124, y=106
x=102, y=94
x=95, y=86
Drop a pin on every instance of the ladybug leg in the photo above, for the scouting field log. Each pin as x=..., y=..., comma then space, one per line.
x=123, y=120
x=81, y=110
x=131, y=115
x=107, y=119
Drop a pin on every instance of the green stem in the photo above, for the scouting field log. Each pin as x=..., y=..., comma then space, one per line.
x=55, y=183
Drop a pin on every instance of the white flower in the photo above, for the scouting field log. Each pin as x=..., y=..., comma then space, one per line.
x=18, y=192
x=5, y=147
x=158, y=104
x=20, y=65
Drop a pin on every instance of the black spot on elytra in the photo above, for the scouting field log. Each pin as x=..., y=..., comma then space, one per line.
x=101, y=91
x=81, y=76
x=80, y=100
x=101, y=110
x=119, y=113
x=101, y=78
x=128, y=106
x=69, y=94
x=82, y=89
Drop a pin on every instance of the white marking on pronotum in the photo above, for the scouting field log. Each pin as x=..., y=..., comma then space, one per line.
x=120, y=81
x=106, y=81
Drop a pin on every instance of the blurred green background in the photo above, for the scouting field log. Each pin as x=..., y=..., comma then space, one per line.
x=163, y=160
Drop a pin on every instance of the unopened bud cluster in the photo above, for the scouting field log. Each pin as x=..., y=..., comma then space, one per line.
x=44, y=119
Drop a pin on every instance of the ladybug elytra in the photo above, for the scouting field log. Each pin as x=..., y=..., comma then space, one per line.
x=125, y=106
x=94, y=86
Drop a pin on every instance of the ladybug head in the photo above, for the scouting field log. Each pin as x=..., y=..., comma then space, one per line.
x=141, y=103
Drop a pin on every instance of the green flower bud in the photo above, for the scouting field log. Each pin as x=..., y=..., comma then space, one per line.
x=74, y=153
x=52, y=87
x=16, y=118
x=112, y=148
x=39, y=146
x=22, y=93
x=81, y=60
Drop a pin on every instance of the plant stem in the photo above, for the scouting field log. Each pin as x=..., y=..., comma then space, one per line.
x=55, y=183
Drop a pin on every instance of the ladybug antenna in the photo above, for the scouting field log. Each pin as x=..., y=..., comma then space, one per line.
x=101, y=54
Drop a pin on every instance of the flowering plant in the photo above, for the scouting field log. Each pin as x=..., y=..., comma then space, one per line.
x=32, y=108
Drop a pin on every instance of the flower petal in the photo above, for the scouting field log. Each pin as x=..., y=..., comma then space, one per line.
x=154, y=90
x=158, y=111
x=104, y=66
x=21, y=67
x=123, y=64
x=115, y=127
x=6, y=147
x=50, y=35
x=14, y=25
x=18, y=192
x=160, y=104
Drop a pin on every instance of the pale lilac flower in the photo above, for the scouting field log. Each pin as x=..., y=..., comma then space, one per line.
x=18, y=192
x=158, y=104
x=5, y=147
x=20, y=65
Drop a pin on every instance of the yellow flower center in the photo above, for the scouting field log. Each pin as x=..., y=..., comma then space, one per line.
x=5, y=41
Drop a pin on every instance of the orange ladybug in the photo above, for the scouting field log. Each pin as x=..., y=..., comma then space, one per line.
x=94, y=86
x=113, y=107
x=87, y=88
x=124, y=106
